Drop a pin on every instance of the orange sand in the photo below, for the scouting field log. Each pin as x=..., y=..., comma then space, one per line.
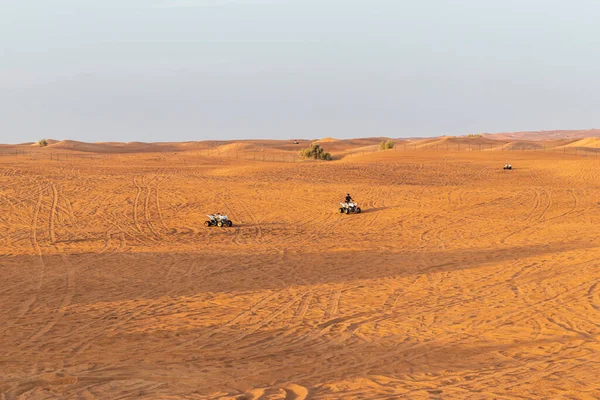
x=459, y=279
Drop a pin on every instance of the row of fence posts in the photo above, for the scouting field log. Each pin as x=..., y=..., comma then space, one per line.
x=479, y=147
x=57, y=156
x=261, y=156
x=53, y=155
x=257, y=156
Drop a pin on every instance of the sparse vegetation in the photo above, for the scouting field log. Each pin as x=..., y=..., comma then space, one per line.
x=387, y=144
x=42, y=142
x=316, y=152
x=474, y=135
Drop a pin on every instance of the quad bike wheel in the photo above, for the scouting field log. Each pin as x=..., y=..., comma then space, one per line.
x=220, y=224
x=358, y=210
x=207, y=223
x=341, y=210
x=347, y=211
x=229, y=224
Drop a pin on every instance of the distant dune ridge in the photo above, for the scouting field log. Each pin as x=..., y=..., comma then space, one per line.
x=339, y=148
x=544, y=135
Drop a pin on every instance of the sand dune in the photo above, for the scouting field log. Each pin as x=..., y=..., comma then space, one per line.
x=593, y=143
x=523, y=146
x=459, y=280
x=113, y=147
x=456, y=142
x=545, y=135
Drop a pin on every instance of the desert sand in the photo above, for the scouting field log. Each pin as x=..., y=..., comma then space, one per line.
x=458, y=280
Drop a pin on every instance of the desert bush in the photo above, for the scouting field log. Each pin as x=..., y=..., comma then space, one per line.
x=387, y=144
x=315, y=151
x=306, y=153
x=474, y=135
x=42, y=142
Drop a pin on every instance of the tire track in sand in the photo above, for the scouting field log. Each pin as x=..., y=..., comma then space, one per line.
x=69, y=277
x=158, y=209
x=53, y=212
x=239, y=317
x=304, y=305
x=65, y=302
x=267, y=320
x=593, y=297
x=26, y=306
x=147, y=209
x=333, y=303
x=135, y=204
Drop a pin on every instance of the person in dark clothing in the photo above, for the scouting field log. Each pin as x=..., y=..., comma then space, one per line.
x=348, y=198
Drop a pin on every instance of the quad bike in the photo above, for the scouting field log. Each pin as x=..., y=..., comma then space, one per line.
x=349, y=208
x=218, y=220
x=507, y=166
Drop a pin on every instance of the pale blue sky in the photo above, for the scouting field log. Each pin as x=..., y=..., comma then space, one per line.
x=165, y=70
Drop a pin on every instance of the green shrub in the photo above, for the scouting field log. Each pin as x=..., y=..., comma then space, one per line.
x=316, y=152
x=43, y=143
x=387, y=144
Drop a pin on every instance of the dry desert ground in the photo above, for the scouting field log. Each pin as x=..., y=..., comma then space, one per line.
x=458, y=280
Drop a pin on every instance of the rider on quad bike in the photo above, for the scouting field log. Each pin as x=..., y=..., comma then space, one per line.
x=348, y=198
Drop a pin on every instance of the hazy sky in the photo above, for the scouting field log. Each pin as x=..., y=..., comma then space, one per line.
x=164, y=70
